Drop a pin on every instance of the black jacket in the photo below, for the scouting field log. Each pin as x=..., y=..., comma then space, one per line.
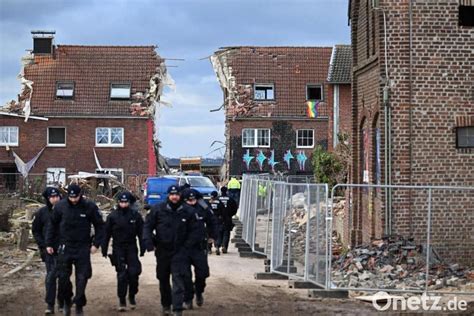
x=204, y=224
x=167, y=226
x=218, y=209
x=124, y=226
x=230, y=209
x=72, y=224
x=40, y=225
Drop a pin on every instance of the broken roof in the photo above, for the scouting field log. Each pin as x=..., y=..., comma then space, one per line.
x=288, y=69
x=92, y=69
x=340, y=68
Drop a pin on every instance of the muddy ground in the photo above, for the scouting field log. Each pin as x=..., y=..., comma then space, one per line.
x=231, y=290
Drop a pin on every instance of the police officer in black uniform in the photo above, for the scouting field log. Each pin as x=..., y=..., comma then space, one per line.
x=166, y=231
x=125, y=226
x=203, y=225
x=230, y=209
x=39, y=226
x=71, y=222
x=218, y=209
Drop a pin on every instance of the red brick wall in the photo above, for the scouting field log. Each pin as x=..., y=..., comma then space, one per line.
x=80, y=140
x=442, y=89
x=283, y=137
x=345, y=111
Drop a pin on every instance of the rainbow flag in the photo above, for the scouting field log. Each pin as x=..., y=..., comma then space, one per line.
x=312, y=110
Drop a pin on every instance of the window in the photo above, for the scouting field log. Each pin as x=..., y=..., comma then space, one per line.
x=120, y=91
x=258, y=137
x=465, y=137
x=264, y=92
x=118, y=172
x=56, y=136
x=55, y=176
x=314, y=92
x=305, y=138
x=65, y=90
x=109, y=136
x=8, y=135
x=466, y=12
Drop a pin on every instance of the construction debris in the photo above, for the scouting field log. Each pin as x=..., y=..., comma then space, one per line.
x=395, y=263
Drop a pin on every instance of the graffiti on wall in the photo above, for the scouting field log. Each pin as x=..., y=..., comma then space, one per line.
x=247, y=159
x=261, y=157
x=301, y=158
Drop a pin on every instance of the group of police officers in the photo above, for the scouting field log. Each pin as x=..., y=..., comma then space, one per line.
x=180, y=231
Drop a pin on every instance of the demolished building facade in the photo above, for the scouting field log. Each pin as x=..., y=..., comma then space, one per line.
x=276, y=107
x=87, y=108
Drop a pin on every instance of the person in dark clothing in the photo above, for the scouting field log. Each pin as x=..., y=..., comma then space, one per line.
x=230, y=209
x=202, y=227
x=71, y=222
x=166, y=231
x=125, y=226
x=39, y=226
x=218, y=209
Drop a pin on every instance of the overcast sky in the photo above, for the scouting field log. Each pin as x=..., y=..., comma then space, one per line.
x=189, y=29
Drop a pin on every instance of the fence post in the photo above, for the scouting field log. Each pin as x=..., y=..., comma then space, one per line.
x=308, y=235
x=289, y=231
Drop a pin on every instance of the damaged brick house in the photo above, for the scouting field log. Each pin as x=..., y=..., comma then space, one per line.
x=83, y=108
x=413, y=118
x=276, y=108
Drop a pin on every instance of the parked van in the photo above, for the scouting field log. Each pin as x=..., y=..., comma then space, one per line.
x=156, y=187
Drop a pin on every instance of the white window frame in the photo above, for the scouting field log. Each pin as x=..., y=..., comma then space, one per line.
x=110, y=170
x=119, y=98
x=109, y=144
x=8, y=143
x=58, y=172
x=312, y=85
x=304, y=129
x=263, y=85
x=56, y=145
x=65, y=97
x=255, y=138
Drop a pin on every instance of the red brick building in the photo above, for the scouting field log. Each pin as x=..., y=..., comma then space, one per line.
x=270, y=127
x=84, y=99
x=413, y=118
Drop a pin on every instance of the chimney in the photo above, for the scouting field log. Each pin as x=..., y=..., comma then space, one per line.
x=43, y=42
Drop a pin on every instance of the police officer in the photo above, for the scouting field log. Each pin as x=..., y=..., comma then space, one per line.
x=234, y=189
x=203, y=226
x=218, y=209
x=39, y=226
x=71, y=223
x=166, y=230
x=125, y=226
x=230, y=209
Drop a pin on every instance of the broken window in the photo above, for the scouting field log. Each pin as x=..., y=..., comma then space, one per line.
x=314, y=92
x=305, y=138
x=120, y=91
x=8, y=136
x=256, y=137
x=465, y=137
x=466, y=12
x=57, y=136
x=65, y=90
x=118, y=172
x=264, y=92
x=109, y=136
x=56, y=176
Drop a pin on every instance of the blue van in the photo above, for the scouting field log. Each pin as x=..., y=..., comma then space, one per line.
x=156, y=187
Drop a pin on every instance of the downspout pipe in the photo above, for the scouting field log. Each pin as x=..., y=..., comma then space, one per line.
x=410, y=115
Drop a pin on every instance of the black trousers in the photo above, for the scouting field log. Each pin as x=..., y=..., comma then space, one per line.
x=51, y=279
x=128, y=268
x=223, y=237
x=80, y=257
x=197, y=259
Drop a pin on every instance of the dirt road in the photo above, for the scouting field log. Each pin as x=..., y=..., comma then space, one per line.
x=231, y=290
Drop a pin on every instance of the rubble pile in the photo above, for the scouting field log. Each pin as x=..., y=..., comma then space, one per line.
x=395, y=263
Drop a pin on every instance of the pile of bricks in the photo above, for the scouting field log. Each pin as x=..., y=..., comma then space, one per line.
x=395, y=263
